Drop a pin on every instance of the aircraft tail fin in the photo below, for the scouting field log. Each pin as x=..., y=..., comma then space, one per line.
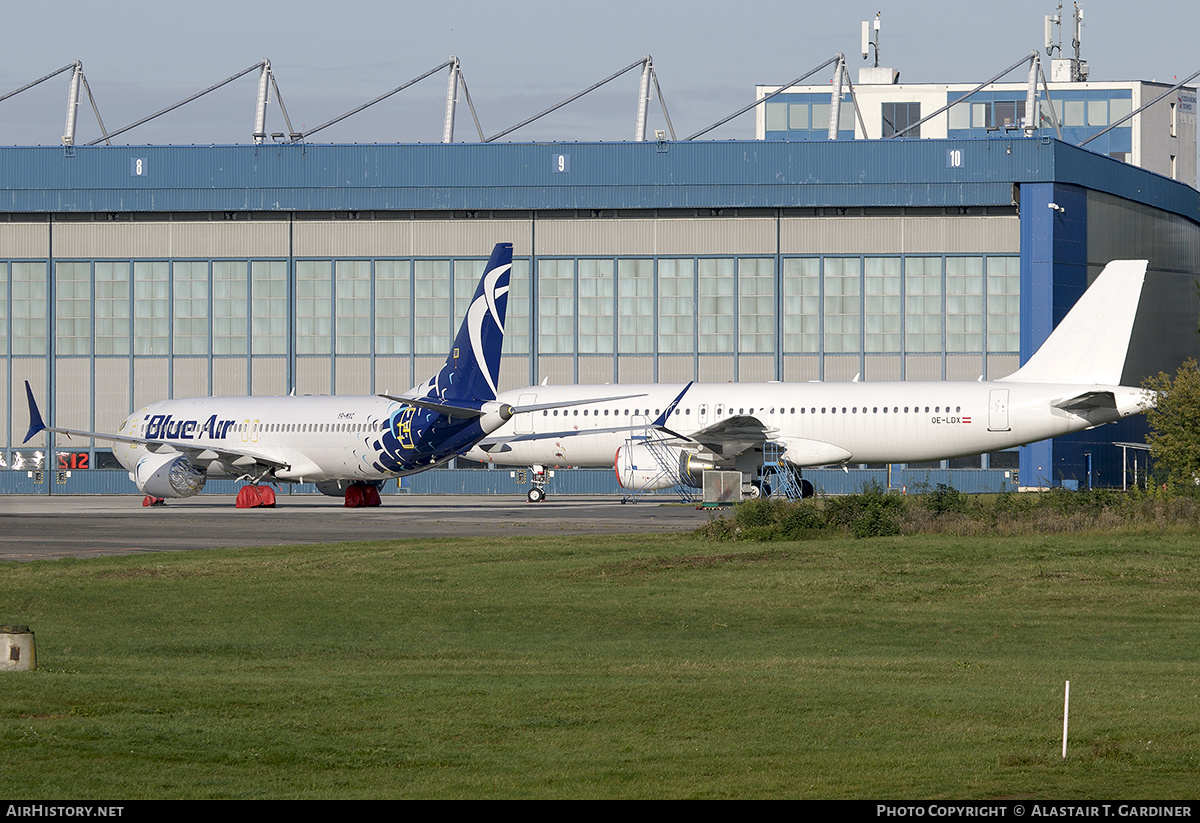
x=472, y=369
x=1089, y=346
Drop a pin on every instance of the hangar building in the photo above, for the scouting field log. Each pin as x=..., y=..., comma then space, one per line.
x=130, y=274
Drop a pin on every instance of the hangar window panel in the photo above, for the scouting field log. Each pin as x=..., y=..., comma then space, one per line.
x=802, y=305
x=923, y=304
x=899, y=116
x=268, y=294
x=190, y=307
x=820, y=115
x=393, y=307
x=466, y=279
x=847, y=117
x=964, y=304
x=716, y=318
x=1009, y=113
x=1050, y=112
x=676, y=306
x=1119, y=107
x=556, y=306
x=842, y=303
x=756, y=305
x=431, y=306
x=1097, y=112
x=72, y=308
x=516, y=317
x=596, y=307
x=352, y=306
x=29, y=308
x=230, y=307
x=112, y=308
x=151, y=306
x=1074, y=113
x=798, y=116
x=314, y=315
x=635, y=306
x=882, y=308
x=775, y=117
x=1003, y=304
x=960, y=116
x=981, y=115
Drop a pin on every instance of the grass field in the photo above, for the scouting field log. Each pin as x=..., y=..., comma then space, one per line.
x=899, y=667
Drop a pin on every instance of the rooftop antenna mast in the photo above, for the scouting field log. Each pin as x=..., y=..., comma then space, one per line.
x=870, y=37
x=1078, y=70
x=1054, y=32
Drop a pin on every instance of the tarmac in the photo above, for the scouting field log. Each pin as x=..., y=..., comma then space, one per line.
x=42, y=527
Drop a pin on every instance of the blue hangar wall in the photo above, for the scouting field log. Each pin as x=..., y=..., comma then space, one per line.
x=1106, y=209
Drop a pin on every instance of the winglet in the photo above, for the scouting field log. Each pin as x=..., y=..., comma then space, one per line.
x=35, y=417
x=662, y=418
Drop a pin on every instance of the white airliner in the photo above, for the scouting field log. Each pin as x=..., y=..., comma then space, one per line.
x=347, y=446
x=670, y=434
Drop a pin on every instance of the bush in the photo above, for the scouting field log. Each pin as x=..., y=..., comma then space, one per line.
x=874, y=513
x=878, y=513
x=800, y=520
x=945, y=500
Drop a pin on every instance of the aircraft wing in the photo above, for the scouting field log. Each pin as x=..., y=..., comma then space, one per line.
x=501, y=443
x=453, y=409
x=199, y=455
x=731, y=436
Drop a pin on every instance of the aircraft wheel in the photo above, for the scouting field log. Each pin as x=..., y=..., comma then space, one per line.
x=536, y=495
x=756, y=491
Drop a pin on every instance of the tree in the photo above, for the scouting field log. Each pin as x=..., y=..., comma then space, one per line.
x=1174, y=421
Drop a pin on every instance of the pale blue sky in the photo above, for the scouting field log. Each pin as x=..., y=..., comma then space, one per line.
x=519, y=57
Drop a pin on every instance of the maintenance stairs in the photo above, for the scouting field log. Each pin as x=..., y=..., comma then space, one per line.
x=778, y=477
x=666, y=463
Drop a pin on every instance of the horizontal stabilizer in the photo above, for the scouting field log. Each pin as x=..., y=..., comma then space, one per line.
x=1088, y=401
x=463, y=409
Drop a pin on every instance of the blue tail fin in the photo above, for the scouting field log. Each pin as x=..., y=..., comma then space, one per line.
x=472, y=369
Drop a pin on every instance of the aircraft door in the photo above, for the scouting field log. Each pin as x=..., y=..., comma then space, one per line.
x=702, y=415
x=523, y=423
x=998, y=411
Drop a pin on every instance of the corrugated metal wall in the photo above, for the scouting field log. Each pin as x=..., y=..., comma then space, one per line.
x=944, y=234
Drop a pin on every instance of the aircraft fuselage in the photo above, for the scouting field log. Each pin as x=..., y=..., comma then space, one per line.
x=820, y=423
x=313, y=438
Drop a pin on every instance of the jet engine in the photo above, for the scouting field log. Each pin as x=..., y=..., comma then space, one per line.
x=659, y=467
x=167, y=475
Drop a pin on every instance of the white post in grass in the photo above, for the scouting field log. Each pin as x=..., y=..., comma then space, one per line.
x=1066, y=707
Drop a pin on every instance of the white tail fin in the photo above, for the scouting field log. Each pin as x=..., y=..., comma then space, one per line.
x=1090, y=344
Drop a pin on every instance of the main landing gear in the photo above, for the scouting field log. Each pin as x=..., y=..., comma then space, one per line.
x=362, y=495
x=538, y=476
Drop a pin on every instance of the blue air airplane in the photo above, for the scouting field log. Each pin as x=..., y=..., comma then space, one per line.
x=347, y=446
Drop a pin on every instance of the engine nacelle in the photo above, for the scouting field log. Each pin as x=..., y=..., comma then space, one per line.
x=661, y=467
x=167, y=475
x=495, y=415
